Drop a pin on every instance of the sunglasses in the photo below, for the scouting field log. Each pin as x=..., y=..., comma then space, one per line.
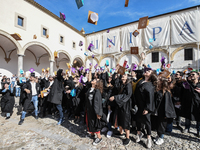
x=192, y=74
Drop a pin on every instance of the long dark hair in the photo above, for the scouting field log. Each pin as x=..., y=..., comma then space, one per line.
x=164, y=85
x=154, y=80
x=99, y=85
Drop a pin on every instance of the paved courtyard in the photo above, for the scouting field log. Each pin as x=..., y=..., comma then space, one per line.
x=45, y=134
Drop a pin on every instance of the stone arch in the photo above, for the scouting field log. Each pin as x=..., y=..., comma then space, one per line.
x=180, y=48
x=51, y=56
x=104, y=56
x=16, y=43
x=126, y=53
x=66, y=53
x=89, y=57
x=78, y=57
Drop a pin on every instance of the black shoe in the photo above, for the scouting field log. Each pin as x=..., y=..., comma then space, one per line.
x=36, y=117
x=180, y=128
x=97, y=141
x=7, y=118
x=21, y=122
x=126, y=142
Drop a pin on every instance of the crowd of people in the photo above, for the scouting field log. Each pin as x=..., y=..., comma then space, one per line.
x=138, y=99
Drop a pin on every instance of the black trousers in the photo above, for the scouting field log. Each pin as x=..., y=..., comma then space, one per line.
x=147, y=124
x=162, y=125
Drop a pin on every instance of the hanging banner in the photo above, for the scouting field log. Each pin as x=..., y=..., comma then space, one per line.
x=184, y=27
x=111, y=42
x=157, y=33
x=96, y=40
x=128, y=39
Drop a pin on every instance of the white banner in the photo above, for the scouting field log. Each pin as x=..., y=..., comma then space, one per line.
x=96, y=40
x=157, y=33
x=127, y=38
x=111, y=42
x=184, y=27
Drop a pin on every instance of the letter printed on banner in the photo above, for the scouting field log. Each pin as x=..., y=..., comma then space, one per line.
x=154, y=31
x=109, y=40
x=186, y=26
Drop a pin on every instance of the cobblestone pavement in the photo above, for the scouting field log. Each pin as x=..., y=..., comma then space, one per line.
x=45, y=134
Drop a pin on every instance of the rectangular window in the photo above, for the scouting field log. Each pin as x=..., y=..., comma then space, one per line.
x=44, y=31
x=188, y=54
x=20, y=21
x=155, y=57
x=61, y=39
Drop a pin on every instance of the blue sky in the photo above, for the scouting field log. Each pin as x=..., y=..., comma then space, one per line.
x=112, y=12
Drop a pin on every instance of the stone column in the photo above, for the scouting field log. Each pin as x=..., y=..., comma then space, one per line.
x=20, y=63
x=51, y=67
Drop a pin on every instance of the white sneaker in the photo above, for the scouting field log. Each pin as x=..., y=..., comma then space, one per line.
x=156, y=139
x=159, y=141
x=149, y=143
x=139, y=136
x=109, y=134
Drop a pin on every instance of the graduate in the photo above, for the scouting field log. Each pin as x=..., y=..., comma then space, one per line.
x=47, y=83
x=7, y=100
x=56, y=94
x=32, y=90
x=94, y=110
x=123, y=101
x=164, y=109
x=176, y=93
x=191, y=102
x=77, y=99
x=144, y=97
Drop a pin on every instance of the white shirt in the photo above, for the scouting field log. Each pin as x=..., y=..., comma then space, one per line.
x=33, y=88
x=51, y=82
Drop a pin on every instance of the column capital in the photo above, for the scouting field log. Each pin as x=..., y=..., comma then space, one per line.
x=51, y=60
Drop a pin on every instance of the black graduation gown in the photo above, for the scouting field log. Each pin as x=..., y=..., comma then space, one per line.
x=94, y=108
x=28, y=105
x=76, y=100
x=57, y=89
x=7, y=101
x=22, y=93
x=166, y=108
x=123, y=101
x=190, y=103
x=144, y=97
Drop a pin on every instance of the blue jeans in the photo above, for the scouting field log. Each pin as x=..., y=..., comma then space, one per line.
x=13, y=83
x=188, y=124
x=169, y=127
x=35, y=103
x=18, y=90
x=109, y=126
x=59, y=107
x=23, y=115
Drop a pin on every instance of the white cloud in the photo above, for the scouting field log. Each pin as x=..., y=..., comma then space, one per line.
x=195, y=1
x=130, y=14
